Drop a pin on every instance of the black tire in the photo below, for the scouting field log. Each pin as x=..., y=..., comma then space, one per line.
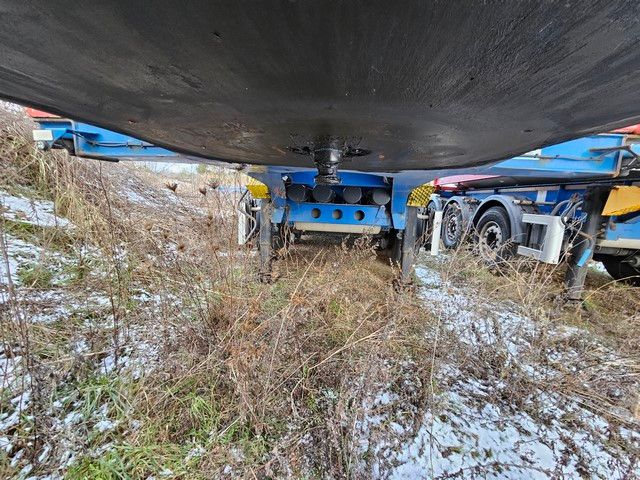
x=621, y=270
x=452, y=226
x=493, y=235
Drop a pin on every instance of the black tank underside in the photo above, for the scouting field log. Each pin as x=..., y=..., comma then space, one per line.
x=418, y=84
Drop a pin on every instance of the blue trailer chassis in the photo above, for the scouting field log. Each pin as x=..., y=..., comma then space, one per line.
x=536, y=182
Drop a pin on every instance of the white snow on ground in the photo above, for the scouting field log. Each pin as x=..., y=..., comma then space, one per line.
x=473, y=435
x=132, y=195
x=71, y=425
x=15, y=386
x=139, y=193
x=19, y=404
x=22, y=254
x=27, y=210
x=471, y=430
x=9, y=370
x=58, y=304
x=467, y=430
x=499, y=327
x=19, y=253
x=598, y=267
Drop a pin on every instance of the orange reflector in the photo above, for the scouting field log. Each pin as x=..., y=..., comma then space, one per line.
x=622, y=199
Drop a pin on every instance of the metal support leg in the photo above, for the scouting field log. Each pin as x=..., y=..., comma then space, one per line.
x=265, y=241
x=436, y=232
x=408, y=245
x=582, y=252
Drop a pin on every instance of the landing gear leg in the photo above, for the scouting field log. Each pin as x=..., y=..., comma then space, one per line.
x=265, y=242
x=582, y=252
x=407, y=258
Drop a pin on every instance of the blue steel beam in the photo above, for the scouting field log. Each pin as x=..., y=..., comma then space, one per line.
x=95, y=142
x=593, y=156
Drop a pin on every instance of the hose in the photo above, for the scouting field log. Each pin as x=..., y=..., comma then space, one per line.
x=556, y=209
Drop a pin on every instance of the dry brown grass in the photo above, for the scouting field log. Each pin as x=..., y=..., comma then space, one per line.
x=292, y=360
x=598, y=362
x=271, y=380
x=256, y=373
x=609, y=308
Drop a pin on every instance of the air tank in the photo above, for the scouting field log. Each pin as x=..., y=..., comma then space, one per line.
x=380, y=196
x=297, y=193
x=323, y=194
x=352, y=194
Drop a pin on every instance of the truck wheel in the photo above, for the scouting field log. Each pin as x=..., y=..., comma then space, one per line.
x=621, y=270
x=452, y=226
x=493, y=232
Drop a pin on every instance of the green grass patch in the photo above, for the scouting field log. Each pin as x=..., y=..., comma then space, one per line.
x=104, y=389
x=334, y=307
x=131, y=461
x=52, y=271
x=76, y=272
x=278, y=298
x=24, y=231
x=35, y=275
x=55, y=238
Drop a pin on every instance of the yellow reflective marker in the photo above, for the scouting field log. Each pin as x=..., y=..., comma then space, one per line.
x=258, y=189
x=622, y=199
x=419, y=196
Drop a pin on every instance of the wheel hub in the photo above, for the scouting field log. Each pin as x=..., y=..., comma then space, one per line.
x=491, y=236
x=451, y=230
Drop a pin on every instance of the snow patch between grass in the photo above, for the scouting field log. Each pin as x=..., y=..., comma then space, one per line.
x=473, y=429
x=31, y=211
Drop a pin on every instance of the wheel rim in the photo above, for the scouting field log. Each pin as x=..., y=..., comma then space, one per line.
x=491, y=239
x=452, y=228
